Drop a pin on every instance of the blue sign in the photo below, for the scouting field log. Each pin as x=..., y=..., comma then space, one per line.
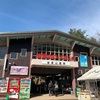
x=83, y=61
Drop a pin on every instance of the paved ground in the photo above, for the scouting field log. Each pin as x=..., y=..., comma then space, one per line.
x=59, y=97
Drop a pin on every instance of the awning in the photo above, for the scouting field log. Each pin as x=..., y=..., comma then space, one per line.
x=92, y=74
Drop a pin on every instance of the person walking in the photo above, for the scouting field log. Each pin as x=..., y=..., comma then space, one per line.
x=50, y=88
x=56, y=88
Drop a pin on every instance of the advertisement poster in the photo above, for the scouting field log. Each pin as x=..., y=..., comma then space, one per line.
x=83, y=61
x=3, y=88
x=13, y=88
x=3, y=85
x=25, y=89
x=19, y=70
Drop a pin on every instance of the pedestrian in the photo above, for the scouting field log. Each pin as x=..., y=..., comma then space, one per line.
x=50, y=88
x=62, y=86
x=56, y=88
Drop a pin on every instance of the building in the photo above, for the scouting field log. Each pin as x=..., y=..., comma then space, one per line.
x=45, y=56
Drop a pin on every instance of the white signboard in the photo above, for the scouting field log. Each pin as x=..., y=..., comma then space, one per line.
x=19, y=70
x=58, y=63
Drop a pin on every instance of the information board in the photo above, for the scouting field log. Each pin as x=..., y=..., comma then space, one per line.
x=25, y=88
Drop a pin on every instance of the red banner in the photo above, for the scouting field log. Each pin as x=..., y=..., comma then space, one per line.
x=53, y=57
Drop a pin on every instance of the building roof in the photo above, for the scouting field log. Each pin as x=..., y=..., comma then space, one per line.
x=54, y=36
x=92, y=74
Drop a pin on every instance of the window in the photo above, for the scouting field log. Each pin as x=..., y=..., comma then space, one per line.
x=51, y=51
x=95, y=60
x=2, y=52
x=23, y=52
x=80, y=72
x=76, y=58
x=13, y=55
x=81, y=84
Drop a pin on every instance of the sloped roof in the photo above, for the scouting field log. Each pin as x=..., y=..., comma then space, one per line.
x=92, y=74
x=53, y=34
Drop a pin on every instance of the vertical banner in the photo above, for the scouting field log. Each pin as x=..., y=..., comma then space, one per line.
x=25, y=85
x=13, y=88
x=3, y=88
x=83, y=61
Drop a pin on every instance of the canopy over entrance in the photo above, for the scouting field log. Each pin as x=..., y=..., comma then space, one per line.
x=92, y=74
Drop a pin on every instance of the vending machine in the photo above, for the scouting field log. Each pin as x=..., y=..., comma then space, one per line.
x=3, y=88
x=14, y=88
x=25, y=89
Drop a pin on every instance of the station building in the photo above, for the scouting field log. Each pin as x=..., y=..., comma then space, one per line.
x=47, y=55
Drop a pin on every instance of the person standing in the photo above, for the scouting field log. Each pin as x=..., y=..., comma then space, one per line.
x=62, y=86
x=56, y=88
x=50, y=87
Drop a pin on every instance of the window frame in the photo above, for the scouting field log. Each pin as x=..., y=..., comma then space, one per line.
x=80, y=71
x=52, y=49
x=2, y=51
x=84, y=53
x=16, y=55
x=25, y=52
x=94, y=60
x=77, y=58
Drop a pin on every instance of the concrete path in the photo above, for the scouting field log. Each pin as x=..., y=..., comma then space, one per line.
x=59, y=97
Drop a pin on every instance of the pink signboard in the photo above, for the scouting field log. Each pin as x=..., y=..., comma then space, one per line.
x=19, y=70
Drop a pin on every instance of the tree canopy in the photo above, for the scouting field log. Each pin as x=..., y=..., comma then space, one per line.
x=82, y=34
x=78, y=33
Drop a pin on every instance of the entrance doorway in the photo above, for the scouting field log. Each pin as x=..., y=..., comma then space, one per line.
x=42, y=76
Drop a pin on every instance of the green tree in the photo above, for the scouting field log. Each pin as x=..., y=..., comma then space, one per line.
x=92, y=39
x=98, y=35
x=78, y=33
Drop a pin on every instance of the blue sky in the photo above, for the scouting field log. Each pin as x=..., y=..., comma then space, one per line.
x=37, y=15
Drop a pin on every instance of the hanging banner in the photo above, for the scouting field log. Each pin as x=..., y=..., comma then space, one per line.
x=13, y=88
x=3, y=88
x=54, y=57
x=25, y=88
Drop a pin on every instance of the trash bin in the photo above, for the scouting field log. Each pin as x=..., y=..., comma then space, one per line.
x=71, y=92
x=77, y=90
x=7, y=97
